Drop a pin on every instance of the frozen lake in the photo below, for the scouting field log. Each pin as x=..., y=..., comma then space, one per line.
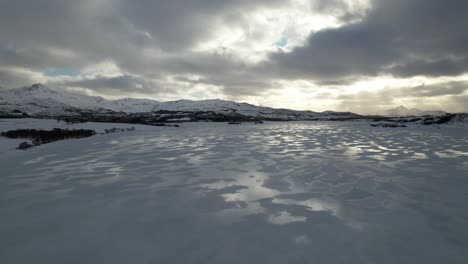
x=332, y=192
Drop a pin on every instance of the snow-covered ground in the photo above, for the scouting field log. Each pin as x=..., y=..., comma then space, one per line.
x=299, y=192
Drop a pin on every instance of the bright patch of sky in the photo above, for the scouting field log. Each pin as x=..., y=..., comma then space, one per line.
x=282, y=42
x=61, y=72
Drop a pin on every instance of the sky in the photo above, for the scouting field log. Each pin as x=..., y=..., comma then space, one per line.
x=344, y=55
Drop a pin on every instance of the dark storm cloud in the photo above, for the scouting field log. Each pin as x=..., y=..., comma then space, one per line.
x=444, y=67
x=352, y=50
x=393, y=33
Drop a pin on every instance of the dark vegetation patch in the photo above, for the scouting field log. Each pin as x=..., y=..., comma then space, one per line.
x=388, y=125
x=39, y=137
x=117, y=130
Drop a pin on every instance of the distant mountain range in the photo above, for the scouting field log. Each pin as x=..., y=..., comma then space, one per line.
x=402, y=111
x=42, y=101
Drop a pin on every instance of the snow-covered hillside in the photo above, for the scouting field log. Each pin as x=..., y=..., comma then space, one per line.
x=44, y=101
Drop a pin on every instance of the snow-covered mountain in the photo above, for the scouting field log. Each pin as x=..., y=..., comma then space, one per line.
x=402, y=111
x=40, y=100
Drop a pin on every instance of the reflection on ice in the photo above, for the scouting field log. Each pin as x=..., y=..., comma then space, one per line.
x=254, y=189
x=313, y=205
x=420, y=156
x=238, y=213
x=284, y=217
x=451, y=153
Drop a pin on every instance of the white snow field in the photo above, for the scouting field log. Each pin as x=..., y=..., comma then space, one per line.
x=298, y=192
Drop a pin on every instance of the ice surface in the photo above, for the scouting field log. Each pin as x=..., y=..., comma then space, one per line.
x=334, y=192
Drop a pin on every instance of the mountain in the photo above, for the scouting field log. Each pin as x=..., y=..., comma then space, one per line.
x=402, y=111
x=42, y=101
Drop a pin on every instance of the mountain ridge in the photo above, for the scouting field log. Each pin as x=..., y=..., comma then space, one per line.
x=42, y=101
x=402, y=111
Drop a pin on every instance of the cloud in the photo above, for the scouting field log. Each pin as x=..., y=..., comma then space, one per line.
x=450, y=88
x=443, y=67
x=401, y=37
x=116, y=84
x=17, y=77
x=358, y=49
x=227, y=48
x=112, y=85
x=445, y=95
